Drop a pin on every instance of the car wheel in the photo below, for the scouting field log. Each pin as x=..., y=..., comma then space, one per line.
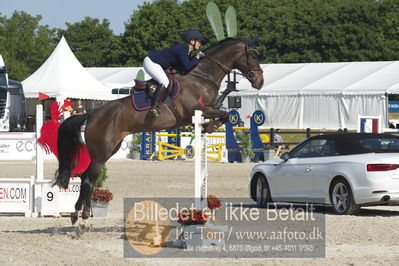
x=342, y=198
x=262, y=192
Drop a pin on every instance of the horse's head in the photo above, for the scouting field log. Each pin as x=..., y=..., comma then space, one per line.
x=248, y=63
x=232, y=53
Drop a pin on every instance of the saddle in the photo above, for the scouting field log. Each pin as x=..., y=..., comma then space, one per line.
x=143, y=90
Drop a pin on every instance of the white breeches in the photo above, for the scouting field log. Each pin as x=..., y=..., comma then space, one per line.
x=155, y=71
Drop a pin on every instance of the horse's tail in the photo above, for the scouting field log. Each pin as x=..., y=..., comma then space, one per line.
x=68, y=142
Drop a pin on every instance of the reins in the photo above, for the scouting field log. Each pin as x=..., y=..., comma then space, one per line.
x=219, y=64
x=206, y=78
x=250, y=75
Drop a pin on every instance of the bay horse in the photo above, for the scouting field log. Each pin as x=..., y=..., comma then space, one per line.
x=108, y=125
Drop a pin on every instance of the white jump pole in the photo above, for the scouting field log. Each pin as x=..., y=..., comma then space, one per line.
x=39, y=149
x=201, y=168
x=15, y=136
x=28, y=185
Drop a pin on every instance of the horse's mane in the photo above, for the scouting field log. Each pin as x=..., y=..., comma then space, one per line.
x=224, y=42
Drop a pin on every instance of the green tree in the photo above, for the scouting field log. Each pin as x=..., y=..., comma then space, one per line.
x=152, y=26
x=322, y=31
x=162, y=23
x=290, y=31
x=24, y=44
x=93, y=43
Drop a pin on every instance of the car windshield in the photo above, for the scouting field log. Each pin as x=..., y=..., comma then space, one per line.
x=379, y=144
x=315, y=148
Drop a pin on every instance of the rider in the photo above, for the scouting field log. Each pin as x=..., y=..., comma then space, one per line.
x=177, y=57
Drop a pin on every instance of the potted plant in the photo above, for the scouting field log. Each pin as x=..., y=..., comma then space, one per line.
x=135, y=146
x=101, y=197
x=192, y=217
x=192, y=220
x=268, y=152
x=245, y=143
x=213, y=202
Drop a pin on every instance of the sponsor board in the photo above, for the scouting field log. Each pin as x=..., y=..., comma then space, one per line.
x=55, y=200
x=25, y=150
x=16, y=195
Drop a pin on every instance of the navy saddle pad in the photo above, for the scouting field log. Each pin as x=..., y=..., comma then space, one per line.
x=142, y=101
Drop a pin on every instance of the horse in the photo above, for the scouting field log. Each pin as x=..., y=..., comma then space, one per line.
x=108, y=125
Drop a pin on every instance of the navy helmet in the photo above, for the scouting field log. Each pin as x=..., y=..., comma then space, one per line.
x=194, y=35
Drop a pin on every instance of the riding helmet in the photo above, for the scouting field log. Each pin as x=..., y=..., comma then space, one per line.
x=194, y=35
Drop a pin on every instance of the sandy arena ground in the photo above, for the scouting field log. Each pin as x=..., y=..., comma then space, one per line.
x=369, y=238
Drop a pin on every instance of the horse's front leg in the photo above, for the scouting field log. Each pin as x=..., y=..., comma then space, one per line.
x=213, y=113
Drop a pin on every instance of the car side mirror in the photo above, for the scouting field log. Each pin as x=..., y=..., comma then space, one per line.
x=285, y=156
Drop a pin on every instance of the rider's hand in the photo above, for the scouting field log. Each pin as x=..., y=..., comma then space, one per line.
x=200, y=55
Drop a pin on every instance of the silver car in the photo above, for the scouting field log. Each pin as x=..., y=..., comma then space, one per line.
x=345, y=170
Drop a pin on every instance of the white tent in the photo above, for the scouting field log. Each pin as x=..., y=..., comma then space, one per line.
x=321, y=95
x=115, y=77
x=62, y=76
x=314, y=95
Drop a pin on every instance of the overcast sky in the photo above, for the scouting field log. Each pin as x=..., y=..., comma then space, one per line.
x=56, y=12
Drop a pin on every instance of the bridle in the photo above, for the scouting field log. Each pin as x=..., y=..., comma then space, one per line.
x=250, y=75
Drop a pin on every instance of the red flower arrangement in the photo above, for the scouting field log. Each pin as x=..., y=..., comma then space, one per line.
x=193, y=216
x=101, y=194
x=213, y=202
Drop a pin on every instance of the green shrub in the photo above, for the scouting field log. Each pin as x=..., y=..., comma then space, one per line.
x=245, y=143
x=102, y=177
x=135, y=143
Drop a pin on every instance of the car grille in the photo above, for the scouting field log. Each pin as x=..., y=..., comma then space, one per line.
x=2, y=108
x=3, y=101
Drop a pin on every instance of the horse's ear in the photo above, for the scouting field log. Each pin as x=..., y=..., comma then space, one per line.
x=253, y=42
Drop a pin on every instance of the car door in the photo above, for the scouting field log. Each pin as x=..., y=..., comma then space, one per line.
x=322, y=170
x=294, y=177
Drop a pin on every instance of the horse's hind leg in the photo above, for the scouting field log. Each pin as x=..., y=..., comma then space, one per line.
x=79, y=202
x=91, y=176
x=87, y=187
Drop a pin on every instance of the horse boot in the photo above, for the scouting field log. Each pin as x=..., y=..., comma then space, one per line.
x=159, y=92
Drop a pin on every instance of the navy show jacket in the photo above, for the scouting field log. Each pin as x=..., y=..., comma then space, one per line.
x=176, y=57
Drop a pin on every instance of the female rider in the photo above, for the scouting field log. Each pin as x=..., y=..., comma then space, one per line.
x=176, y=57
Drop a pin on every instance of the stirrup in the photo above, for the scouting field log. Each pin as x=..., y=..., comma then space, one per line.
x=154, y=112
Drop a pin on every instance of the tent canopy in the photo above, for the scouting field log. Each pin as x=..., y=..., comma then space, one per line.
x=350, y=78
x=314, y=95
x=115, y=77
x=62, y=75
x=321, y=95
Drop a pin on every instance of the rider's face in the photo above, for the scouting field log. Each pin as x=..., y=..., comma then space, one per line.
x=195, y=44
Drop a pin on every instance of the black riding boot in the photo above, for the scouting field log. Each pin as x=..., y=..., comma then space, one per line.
x=159, y=92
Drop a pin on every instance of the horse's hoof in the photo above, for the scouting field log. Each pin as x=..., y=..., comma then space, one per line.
x=74, y=218
x=82, y=227
x=86, y=214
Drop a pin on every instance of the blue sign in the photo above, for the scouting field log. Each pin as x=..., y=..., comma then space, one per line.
x=189, y=152
x=393, y=107
x=147, y=145
x=234, y=117
x=233, y=151
x=257, y=119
